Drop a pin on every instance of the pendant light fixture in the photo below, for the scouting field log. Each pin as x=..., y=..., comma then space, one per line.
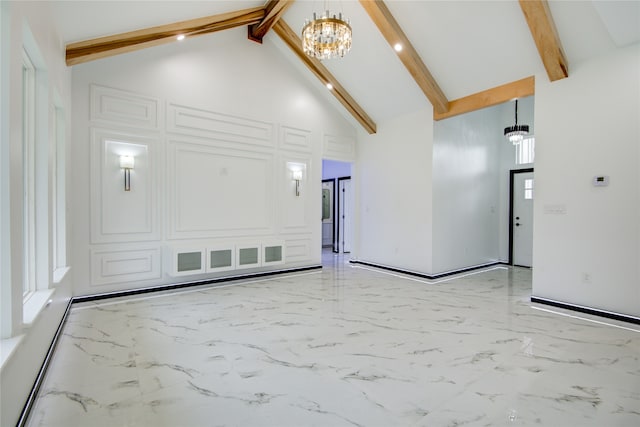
x=326, y=37
x=516, y=133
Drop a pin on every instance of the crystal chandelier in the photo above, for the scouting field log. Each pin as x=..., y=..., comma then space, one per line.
x=516, y=133
x=326, y=37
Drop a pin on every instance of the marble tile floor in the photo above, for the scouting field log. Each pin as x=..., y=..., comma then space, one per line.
x=345, y=346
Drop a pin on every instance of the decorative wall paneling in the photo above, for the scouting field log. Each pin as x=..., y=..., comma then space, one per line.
x=117, y=264
x=228, y=179
x=121, y=107
x=273, y=252
x=339, y=148
x=295, y=139
x=298, y=249
x=249, y=255
x=118, y=215
x=187, y=260
x=217, y=126
x=218, y=192
x=220, y=257
x=295, y=212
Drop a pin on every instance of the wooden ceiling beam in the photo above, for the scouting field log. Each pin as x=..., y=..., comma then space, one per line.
x=274, y=9
x=391, y=31
x=489, y=97
x=545, y=34
x=104, y=47
x=292, y=40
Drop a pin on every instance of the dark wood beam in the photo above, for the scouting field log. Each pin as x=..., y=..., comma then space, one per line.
x=545, y=34
x=274, y=9
x=489, y=97
x=292, y=40
x=391, y=31
x=104, y=47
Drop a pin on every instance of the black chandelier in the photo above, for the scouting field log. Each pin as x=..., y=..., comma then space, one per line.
x=516, y=133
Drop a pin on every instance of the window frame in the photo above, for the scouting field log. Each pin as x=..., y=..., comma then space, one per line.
x=525, y=151
x=28, y=176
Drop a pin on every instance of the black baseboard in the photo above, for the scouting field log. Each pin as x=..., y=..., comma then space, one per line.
x=427, y=276
x=587, y=310
x=160, y=288
x=22, y=421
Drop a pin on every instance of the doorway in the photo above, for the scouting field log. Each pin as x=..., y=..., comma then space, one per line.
x=344, y=217
x=328, y=213
x=337, y=206
x=521, y=184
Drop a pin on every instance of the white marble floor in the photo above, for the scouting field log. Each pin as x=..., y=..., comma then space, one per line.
x=345, y=346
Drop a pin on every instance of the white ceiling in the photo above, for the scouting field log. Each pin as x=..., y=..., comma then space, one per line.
x=468, y=46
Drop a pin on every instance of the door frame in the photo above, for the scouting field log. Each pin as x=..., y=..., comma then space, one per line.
x=512, y=174
x=333, y=209
x=344, y=178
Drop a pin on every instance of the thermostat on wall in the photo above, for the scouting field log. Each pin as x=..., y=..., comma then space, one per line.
x=600, y=181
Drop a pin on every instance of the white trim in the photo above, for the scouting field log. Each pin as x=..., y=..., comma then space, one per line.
x=33, y=306
x=427, y=281
x=160, y=293
x=584, y=307
x=584, y=318
x=59, y=274
x=28, y=176
x=7, y=348
x=59, y=193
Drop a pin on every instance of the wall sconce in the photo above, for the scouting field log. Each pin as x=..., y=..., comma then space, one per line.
x=297, y=176
x=127, y=163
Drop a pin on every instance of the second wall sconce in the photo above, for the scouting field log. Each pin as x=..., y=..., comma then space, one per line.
x=297, y=176
x=127, y=163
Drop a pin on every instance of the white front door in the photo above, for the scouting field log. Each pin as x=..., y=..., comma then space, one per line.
x=523, y=219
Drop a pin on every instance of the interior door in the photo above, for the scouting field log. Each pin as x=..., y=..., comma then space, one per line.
x=522, y=221
x=345, y=229
x=327, y=213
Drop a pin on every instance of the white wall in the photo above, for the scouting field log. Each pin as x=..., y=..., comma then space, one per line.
x=393, y=184
x=587, y=125
x=217, y=122
x=28, y=23
x=468, y=186
x=466, y=164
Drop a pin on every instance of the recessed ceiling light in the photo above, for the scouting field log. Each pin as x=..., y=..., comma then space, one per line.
x=180, y=37
x=329, y=86
x=397, y=47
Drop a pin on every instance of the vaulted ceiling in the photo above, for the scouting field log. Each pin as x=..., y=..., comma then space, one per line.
x=467, y=48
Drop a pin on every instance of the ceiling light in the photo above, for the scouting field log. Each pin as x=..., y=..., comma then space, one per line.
x=326, y=37
x=397, y=47
x=329, y=86
x=516, y=133
x=180, y=37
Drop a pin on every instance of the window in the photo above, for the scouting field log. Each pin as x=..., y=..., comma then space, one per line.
x=37, y=159
x=7, y=324
x=59, y=194
x=525, y=151
x=28, y=176
x=528, y=189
